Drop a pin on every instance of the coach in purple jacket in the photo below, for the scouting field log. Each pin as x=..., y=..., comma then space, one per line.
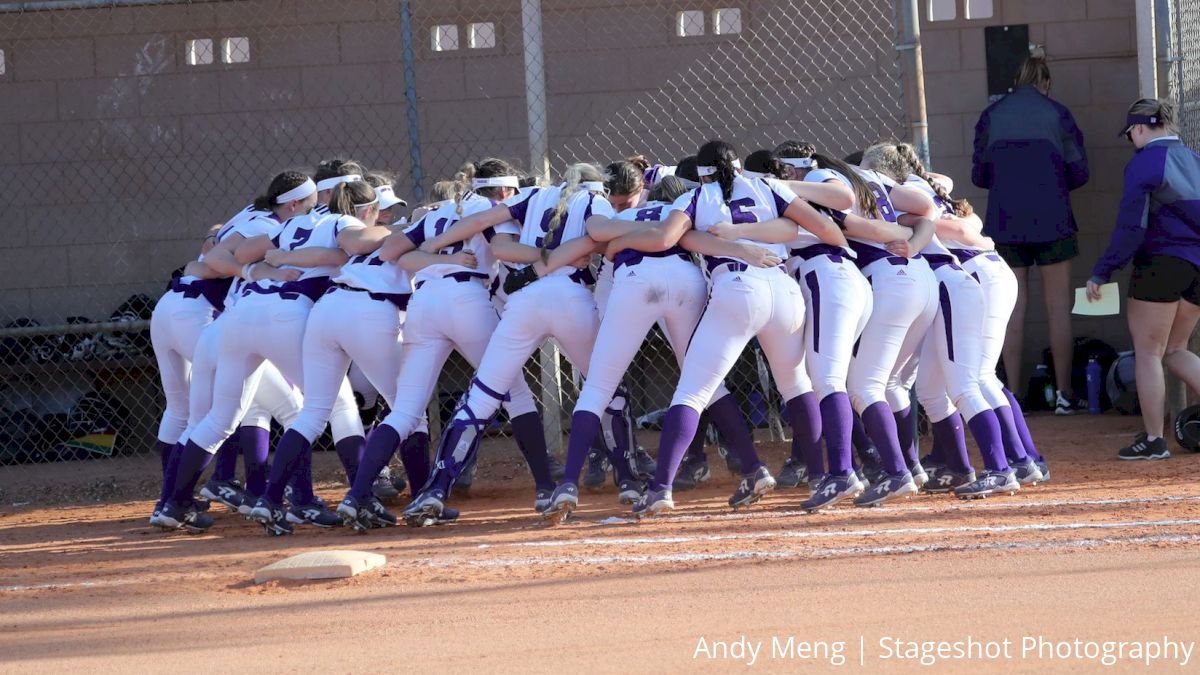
x=1158, y=228
x=1029, y=155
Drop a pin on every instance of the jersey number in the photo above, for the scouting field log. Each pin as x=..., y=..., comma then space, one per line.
x=439, y=228
x=299, y=237
x=654, y=213
x=368, y=258
x=541, y=242
x=881, y=200
x=739, y=210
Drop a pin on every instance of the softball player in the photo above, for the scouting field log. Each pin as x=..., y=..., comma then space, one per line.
x=955, y=374
x=457, y=277
x=558, y=304
x=649, y=288
x=903, y=299
x=745, y=301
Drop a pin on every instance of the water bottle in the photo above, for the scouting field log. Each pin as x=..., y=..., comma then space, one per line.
x=1093, y=386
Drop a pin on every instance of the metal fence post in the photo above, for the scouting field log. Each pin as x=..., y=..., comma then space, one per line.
x=539, y=163
x=908, y=44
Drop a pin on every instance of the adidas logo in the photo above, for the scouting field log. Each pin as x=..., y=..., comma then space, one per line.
x=737, y=278
x=633, y=274
x=901, y=273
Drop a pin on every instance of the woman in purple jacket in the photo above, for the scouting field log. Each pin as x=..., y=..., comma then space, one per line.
x=1029, y=155
x=1158, y=228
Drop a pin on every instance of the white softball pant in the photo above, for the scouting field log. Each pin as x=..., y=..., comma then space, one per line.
x=948, y=375
x=175, y=327
x=839, y=304
x=274, y=396
x=264, y=327
x=445, y=315
x=904, y=303
x=668, y=291
x=999, y=286
x=551, y=307
x=346, y=326
x=743, y=304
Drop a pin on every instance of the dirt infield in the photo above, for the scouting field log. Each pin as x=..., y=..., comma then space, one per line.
x=1107, y=551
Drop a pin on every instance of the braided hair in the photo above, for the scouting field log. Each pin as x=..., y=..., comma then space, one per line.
x=573, y=176
x=721, y=156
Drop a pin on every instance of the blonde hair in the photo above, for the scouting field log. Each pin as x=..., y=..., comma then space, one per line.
x=1033, y=70
x=1154, y=107
x=898, y=160
x=442, y=191
x=573, y=176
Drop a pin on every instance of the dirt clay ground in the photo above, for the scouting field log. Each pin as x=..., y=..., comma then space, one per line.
x=1099, y=566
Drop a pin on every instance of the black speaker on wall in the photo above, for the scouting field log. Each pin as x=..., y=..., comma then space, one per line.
x=1006, y=47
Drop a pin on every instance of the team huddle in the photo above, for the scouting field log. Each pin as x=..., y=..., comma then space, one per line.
x=859, y=282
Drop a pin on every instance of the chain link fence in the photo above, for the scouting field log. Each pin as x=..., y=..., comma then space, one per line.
x=128, y=128
x=1180, y=21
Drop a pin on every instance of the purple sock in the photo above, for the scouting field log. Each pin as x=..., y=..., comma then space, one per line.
x=804, y=416
x=732, y=426
x=193, y=460
x=986, y=430
x=350, y=452
x=1014, y=450
x=1022, y=427
x=225, y=463
x=837, y=422
x=302, y=482
x=414, y=455
x=168, y=455
x=288, y=463
x=950, y=444
x=696, y=447
x=256, y=447
x=679, y=426
x=905, y=434
x=584, y=427
x=381, y=445
x=531, y=440
x=880, y=425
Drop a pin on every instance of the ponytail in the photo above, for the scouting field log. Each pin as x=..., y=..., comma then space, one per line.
x=764, y=161
x=639, y=161
x=961, y=207
x=721, y=156
x=347, y=198
x=624, y=178
x=572, y=177
x=462, y=185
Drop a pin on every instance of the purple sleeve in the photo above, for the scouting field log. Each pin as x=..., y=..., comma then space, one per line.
x=1143, y=175
x=416, y=232
x=687, y=204
x=518, y=206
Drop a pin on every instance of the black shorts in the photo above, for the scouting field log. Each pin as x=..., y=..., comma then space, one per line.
x=1164, y=278
x=1040, y=254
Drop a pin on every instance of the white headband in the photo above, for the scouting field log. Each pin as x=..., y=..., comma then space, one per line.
x=703, y=171
x=497, y=181
x=754, y=174
x=363, y=206
x=301, y=191
x=800, y=162
x=592, y=186
x=330, y=183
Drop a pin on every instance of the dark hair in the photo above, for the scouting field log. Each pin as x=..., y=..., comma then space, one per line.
x=668, y=189
x=346, y=197
x=862, y=193
x=854, y=159
x=484, y=168
x=765, y=161
x=686, y=169
x=379, y=179
x=639, y=161
x=962, y=208
x=624, y=178
x=527, y=181
x=332, y=168
x=288, y=180
x=721, y=156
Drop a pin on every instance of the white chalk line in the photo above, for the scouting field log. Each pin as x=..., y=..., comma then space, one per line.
x=957, y=505
x=829, y=534
x=813, y=553
x=65, y=585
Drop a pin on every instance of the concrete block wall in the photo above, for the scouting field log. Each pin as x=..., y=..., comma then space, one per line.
x=1091, y=49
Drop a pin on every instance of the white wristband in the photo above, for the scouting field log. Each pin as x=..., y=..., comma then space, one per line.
x=247, y=270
